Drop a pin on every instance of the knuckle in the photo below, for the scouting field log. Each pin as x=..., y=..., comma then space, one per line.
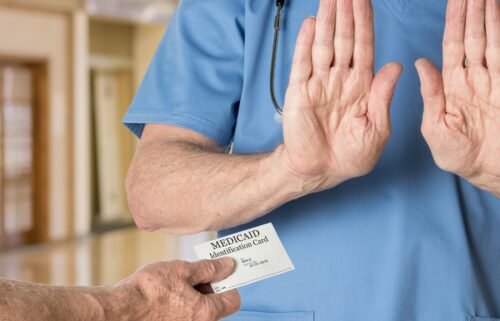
x=178, y=265
x=323, y=43
x=208, y=268
x=345, y=4
x=143, y=278
x=299, y=60
x=147, y=272
x=475, y=35
x=179, y=269
x=493, y=45
x=344, y=39
x=476, y=5
x=150, y=278
x=452, y=47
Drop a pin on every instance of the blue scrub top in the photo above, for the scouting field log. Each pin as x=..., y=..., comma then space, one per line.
x=406, y=242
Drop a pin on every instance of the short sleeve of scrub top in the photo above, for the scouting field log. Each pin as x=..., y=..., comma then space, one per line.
x=195, y=79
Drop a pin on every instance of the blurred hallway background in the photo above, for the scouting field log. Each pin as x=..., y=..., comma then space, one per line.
x=68, y=71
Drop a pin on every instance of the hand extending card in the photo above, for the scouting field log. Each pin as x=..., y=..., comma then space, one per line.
x=258, y=253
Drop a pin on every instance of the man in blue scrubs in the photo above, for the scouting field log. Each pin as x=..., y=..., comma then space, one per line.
x=379, y=228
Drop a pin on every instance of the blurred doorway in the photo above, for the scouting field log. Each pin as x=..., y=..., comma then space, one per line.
x=112, y=63
x=113, y=147
x=22, y=149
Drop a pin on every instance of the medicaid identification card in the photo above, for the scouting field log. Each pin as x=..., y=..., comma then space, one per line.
x=258, y=253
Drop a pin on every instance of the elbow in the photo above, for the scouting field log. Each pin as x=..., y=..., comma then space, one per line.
x=151, y=212
x=137, y=199
x=143, y=223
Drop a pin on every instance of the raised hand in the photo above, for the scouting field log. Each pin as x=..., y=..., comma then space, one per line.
x=336, y=116
x=461, y=121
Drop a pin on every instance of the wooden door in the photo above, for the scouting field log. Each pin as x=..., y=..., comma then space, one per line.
x=22, y=186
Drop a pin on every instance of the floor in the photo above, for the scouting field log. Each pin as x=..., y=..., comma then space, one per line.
x=95, y=260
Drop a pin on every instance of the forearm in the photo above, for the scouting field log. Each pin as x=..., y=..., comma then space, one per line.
x=187, y=188
x=20, y=301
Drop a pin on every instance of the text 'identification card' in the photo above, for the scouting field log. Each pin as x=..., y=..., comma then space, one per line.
x=258, y=253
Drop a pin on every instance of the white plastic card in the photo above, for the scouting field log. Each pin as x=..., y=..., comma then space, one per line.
x=258, y=252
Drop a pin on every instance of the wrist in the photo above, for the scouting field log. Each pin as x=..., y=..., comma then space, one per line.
x=295, y=184
x=120, y=302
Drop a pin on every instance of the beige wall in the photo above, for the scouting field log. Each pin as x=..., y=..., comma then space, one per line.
x=111, y=38
x=81, y=129
x=19, y=30
x=147, y=39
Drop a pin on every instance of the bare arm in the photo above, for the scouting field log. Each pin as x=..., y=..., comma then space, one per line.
x=26, y=301
x=182, y=182
x=165, y=291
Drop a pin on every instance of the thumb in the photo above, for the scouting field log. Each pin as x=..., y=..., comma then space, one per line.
x=432, y=89
x=382, y=92
x=208, y=271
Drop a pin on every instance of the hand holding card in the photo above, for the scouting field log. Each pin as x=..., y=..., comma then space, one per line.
x=258, y=252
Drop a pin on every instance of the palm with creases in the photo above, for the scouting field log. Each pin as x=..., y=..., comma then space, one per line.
x=461, y=120
x=336, y=119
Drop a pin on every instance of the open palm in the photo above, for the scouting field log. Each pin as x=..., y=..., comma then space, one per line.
x=461, y=120
x=336, y=119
